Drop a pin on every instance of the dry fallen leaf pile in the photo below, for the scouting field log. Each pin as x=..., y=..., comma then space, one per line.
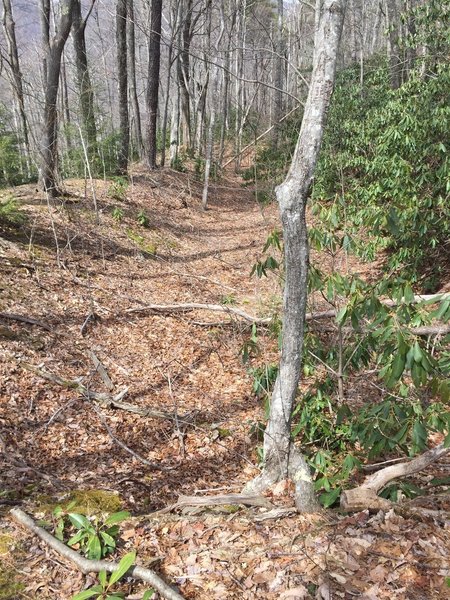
x=79, y=277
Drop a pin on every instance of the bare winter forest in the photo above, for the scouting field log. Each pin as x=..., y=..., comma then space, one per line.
x=224, y=299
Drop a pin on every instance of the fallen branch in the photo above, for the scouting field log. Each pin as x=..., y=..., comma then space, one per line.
x=106, y=399
x=326, y=314
x=222, y=500
x=365, y=495
x=23, y=319
x=127, y=449
x=189, y=307
x=94, y=566
x=101, y=370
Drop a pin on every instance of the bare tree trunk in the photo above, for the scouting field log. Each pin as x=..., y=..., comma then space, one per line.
x=133, y=84
x=282, y=459
x=184, y=73
x=52, y=68
x=278, y=79
x=122, y=67
x=85, y=90
x=10, y=34
x=393, y=44
x=166, y=104
x=154, y=56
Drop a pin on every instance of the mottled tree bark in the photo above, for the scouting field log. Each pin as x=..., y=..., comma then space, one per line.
x=154, y=57
x=282, y=459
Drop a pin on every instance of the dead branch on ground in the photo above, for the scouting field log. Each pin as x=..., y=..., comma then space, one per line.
x=312, y=316
x=220, y=500
x=105, y=399
x=94, y=566
x=365, y=495
x=24, y=319
x=127, y=449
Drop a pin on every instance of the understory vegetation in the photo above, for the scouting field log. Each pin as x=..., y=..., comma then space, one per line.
x=381, y=193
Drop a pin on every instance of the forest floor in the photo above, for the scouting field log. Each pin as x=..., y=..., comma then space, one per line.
x=78, y=273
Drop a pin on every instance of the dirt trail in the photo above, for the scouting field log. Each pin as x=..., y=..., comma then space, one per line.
x=166, y=362
x=52, y=440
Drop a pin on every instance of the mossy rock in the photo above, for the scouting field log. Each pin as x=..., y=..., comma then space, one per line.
x=10, y=587
x=5, y=542
x=87, y=502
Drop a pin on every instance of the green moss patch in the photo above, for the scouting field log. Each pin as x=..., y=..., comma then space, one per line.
x=87, y=502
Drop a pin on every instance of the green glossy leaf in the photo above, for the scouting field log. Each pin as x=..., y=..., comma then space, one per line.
x=109, y=541
x=117, y=517
x=329, y=498
x=102, y=577
x=148, y=594
x=80, y=535
x=90, y=593
x=80, y=521
x=94, y=548
x=124, y=565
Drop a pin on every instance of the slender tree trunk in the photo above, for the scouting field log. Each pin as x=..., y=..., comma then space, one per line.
x=184, y=73
x=83, y=78
x=282, y=459
x=10, y=34
x=395, y=68
x=122, y=68
x=279, y=69
x=52, y=68
x=166, y=104
x=133, y=83
x=154, y=57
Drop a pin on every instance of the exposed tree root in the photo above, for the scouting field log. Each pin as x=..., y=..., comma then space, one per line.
x=365, y=496
x=94, y=566
x=297, y=470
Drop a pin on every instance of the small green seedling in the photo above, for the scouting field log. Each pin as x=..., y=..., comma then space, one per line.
x=117, y=214
x=142, y=219
x=96, y=537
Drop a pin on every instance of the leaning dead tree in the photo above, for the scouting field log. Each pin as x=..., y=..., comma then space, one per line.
x=282, y=459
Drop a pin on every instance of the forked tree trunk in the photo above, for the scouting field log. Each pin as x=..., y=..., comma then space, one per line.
x=282, y=459
x=52, y=68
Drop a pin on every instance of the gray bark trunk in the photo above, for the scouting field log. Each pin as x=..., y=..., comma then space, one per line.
x=52, y=68
x=154, y=54
x=395, y=67
x=124, y=126
x=84, y=83
x=10, y=34
x=133, y=83
x=282, y=459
